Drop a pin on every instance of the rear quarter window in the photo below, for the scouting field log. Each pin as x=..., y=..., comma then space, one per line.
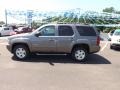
x=86, y=31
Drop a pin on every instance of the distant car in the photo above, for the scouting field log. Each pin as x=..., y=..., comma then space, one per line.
x=23, y=30
x=4, y=31
x=110, y=34
x=115, y=39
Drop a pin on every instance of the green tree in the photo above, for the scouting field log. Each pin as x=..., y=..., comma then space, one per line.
x=2, y=22
x=109, y=10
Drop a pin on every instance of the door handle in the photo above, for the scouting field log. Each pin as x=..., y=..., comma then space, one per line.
x=51, y=40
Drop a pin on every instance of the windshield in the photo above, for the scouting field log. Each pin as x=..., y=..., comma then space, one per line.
x=117, y=33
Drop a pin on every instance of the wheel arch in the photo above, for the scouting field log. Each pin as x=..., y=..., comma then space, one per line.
x=85, y=46
x=15, y=44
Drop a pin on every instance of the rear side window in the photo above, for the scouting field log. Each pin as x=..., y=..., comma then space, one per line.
x=86, y=31
x=65, y=31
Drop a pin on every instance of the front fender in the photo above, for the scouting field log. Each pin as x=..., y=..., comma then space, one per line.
x=21, y=41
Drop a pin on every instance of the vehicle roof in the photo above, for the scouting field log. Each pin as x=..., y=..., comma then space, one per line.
x=68, y=24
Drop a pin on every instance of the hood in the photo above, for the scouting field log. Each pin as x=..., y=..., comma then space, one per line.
x=116, y=37
x=19, y=36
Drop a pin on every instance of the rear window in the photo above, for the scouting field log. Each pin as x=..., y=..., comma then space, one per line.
x=86, y=31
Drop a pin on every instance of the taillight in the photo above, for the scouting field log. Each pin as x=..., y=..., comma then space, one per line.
x=98, y=41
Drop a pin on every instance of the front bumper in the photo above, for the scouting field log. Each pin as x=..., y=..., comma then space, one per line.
x=115, y=45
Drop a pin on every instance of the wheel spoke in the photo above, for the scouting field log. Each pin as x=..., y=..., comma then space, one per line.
x=80, y=54
x=20, y=52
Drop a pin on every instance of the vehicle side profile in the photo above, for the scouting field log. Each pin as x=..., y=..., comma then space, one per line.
x=4, y=31
x=115, y=39
x=74, y=39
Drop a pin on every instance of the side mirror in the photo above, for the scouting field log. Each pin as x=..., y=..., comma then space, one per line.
x=38, y=34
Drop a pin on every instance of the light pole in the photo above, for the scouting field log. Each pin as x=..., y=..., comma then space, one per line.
x=6, y=17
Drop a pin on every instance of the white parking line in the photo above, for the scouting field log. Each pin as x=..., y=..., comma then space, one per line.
x=102, y=49
x=104, y=41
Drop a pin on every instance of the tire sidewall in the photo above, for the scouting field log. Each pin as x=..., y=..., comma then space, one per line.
x=76, y=49
x=21, y=46
x=111, y=47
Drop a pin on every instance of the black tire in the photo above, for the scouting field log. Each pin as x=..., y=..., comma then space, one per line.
x=17, y=55
x=0, y=35
x=111, y=47
x=81, y=58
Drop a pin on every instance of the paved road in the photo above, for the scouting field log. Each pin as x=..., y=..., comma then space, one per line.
x=101, y=71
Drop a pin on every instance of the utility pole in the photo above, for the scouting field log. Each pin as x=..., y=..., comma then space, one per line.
x=6, y=17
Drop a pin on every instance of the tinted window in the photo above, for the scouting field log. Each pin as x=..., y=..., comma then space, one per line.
x=48, y=31
x=86, y=31
x=112, y=32
x=6, y=28
x=117, y=33
x=65, y=31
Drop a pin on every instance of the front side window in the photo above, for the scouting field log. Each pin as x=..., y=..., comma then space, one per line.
x=65, y=31
x=47, y=31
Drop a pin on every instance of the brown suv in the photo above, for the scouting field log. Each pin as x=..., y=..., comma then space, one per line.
x=77, y=40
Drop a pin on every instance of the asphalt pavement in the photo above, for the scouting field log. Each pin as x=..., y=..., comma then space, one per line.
x=101, y=71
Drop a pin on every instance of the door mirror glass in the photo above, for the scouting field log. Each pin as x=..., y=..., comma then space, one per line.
x=37, y=34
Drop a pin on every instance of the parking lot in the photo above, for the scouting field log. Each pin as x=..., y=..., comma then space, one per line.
x=101, y=71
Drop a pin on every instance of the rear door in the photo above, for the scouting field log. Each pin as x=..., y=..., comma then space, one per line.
x=65, y=38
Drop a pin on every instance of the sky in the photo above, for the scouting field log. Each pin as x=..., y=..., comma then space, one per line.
x=56, y=5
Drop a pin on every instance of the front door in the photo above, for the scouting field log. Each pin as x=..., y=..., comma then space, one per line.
x=46, y=41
